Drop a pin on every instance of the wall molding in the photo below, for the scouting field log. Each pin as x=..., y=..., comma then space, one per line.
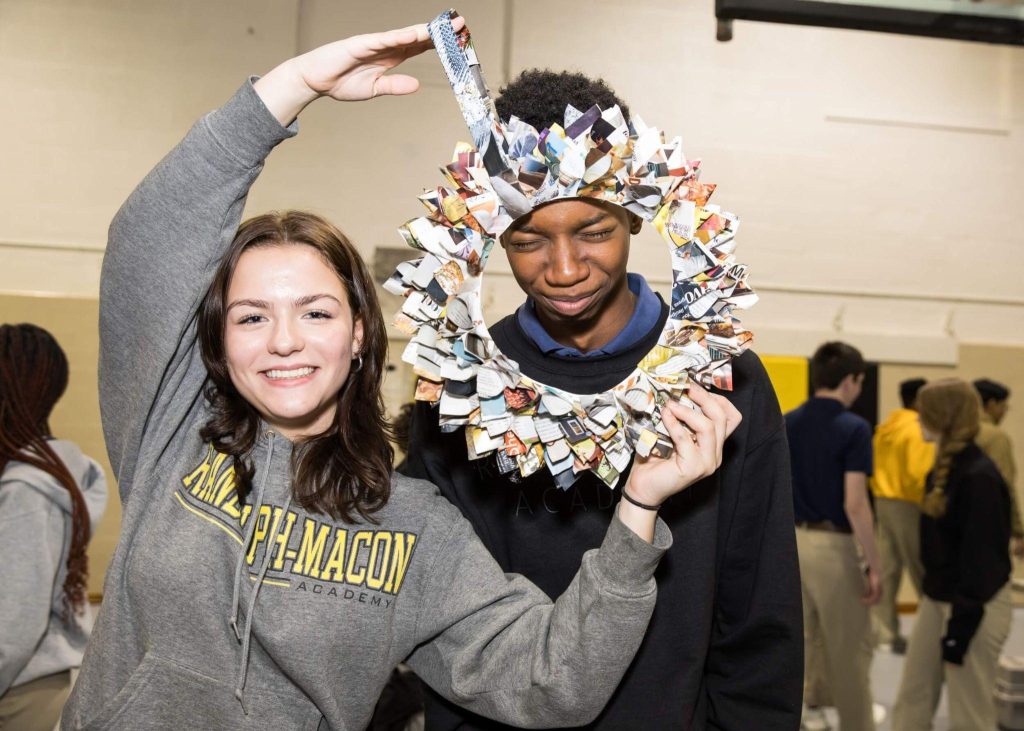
x=910, y=124
x=54, y=246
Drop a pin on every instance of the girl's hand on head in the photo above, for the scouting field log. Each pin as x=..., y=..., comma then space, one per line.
x=353, y=69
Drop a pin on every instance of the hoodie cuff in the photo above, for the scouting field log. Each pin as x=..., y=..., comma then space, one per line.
x=246, y=129
x=953, y=650
x=628, y=561
x=960, y=630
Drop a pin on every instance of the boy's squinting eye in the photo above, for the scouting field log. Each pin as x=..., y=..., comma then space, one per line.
x=524, y=243
x=598, y=235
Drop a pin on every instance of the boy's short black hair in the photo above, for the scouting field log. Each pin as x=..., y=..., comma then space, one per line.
x=991, y=390
x=539, y=96
x=909, y=389
x=834, y=361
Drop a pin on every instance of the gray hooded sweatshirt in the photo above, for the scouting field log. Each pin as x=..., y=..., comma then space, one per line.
x=35, y=536
x=218, y=615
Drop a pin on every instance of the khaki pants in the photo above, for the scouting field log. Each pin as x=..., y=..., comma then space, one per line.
x=838, y=641
x=899, y=544
x=970, y=686
x=35, y=705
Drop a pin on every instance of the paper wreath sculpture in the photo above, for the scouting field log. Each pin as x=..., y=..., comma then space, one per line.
x=509, y=170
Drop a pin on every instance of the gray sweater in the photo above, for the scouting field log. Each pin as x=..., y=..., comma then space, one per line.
x=35, y=535
x=324, y=609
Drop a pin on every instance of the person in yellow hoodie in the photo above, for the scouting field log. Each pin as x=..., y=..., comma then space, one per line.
x=902, y=461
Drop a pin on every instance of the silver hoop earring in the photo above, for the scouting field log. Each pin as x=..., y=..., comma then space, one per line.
x=359, y=357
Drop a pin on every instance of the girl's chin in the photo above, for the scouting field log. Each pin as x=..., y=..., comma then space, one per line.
x=296, y=420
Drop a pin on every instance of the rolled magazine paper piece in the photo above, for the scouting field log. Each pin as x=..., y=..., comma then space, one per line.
x=510, y=169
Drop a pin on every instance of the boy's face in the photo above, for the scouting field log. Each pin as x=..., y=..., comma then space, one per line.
x=997, y=409
x=570, y=257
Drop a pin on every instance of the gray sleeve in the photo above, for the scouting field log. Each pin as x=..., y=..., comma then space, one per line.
x=27, y=580
x=495, y=644
x=163, y=246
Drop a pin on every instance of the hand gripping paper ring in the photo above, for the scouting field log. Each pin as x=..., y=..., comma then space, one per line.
x=510, y=169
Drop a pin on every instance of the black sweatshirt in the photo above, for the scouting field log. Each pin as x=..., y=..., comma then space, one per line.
x=966, y=551
x=725, y=646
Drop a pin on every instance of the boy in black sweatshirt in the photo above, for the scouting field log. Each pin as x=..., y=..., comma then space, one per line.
x=724, y=649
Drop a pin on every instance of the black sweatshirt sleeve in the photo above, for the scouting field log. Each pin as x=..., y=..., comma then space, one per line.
x=754, y=669
x=440, y=458
x=436, y=456
x=423, y=450
x=982, y=555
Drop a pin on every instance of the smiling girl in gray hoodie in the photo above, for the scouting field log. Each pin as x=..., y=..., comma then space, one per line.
x=271, y=570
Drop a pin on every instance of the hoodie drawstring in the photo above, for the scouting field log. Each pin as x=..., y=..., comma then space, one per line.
x=245, y=635
x=249, y=532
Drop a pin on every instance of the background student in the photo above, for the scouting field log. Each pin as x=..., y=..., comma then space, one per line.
x=724, y=647
x=51, y=499
x=830, y=451
x=964, y=615
x=902, y=461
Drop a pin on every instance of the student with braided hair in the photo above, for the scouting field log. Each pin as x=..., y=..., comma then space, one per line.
x=51, y=498
x=964, y=616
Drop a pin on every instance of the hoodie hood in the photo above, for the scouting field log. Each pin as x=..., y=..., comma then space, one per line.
x=897, y=425
x=902, y=457
x=35, y=525
x=85, y=471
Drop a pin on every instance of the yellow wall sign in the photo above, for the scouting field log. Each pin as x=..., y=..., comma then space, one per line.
x=789, y=375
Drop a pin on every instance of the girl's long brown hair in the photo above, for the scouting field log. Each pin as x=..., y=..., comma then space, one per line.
x=951, y=408
x=33, y=376
x=346, y=470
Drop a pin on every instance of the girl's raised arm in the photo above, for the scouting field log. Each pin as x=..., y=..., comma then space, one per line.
x=167, y=238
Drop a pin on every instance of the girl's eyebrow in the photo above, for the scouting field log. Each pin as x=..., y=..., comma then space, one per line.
x=311, y=298
x=300, y=302
x=258, y=304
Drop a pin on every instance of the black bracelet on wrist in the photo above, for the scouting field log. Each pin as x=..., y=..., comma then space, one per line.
x=628, y=499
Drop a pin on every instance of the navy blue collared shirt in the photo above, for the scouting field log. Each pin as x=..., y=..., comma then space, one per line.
x=645, y=317
x=825, y=442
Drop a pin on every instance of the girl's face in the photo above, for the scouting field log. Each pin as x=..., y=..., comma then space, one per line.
x=289, y=337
